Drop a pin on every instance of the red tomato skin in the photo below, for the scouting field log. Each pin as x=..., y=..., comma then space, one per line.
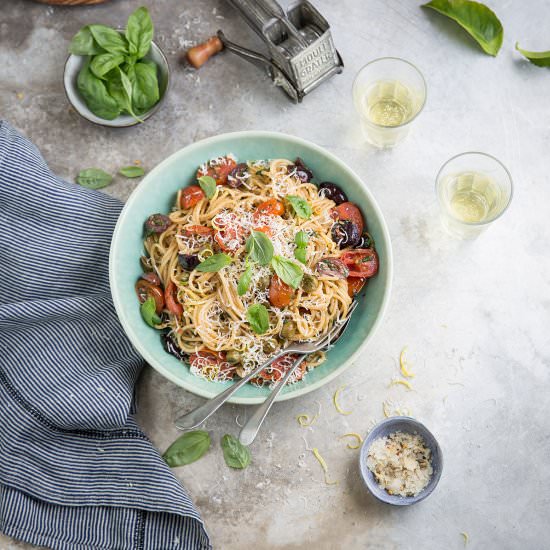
x=219, y=172
x=280, y=293
x=350, y=211
x=171, y=300
x=357, y=267
x=355, y=284
x=271, y=207
x=146, y=289
x=190, y=196
x=198, y=230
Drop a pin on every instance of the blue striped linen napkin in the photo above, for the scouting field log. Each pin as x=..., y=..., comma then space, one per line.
x=76, y=472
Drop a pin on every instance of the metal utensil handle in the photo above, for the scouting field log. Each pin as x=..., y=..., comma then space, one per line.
x=250, y=430
x=197, y=416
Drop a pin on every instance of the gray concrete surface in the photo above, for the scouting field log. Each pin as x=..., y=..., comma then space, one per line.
x=475, y=315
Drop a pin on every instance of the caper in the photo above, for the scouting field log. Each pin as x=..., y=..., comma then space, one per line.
x=233, y=357
x=264, y=282
x=309, y=283
x=289, y=330
x=270, y=345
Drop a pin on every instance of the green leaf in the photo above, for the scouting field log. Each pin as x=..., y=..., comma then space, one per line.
x=214, y=263
x=132, y=171
x=259, y=247
x=301, y=254
x=244, y=281
x=148, y=312
x=109, y=39
x=300, y=206
x=187, y=449
x=236, y=454
x=145, y=86
x=120, y=88
x=477, y=19
x=288, y=271
x=83, y=43
x=94, y=93
x=208, y=185
x=103, y=63
x=540, y=59
x=258, y=318
x=301, y=239
x=93, y=178
x=139, y=32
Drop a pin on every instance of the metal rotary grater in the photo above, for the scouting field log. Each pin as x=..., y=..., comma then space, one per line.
x=301, y=51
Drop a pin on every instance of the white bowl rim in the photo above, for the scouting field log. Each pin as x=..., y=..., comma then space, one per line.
x=251, y=134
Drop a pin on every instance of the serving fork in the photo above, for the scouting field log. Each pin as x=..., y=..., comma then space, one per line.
x=197, y=416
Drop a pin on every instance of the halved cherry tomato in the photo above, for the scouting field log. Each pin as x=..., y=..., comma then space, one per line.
x=349, y=211
x=271, y=207
x=362, y=262
x=264, y=229
x=190, y=196
x=146, y=289
x=279, y=292
x=278, y=369
x=230, y=233
x=172, y=301
x=213, y=359
x=355, y=284
x=219, y=171
x=198, y=230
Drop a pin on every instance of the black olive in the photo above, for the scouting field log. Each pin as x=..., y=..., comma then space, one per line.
x=188, y=261
x=366, y=241
x=237, y=176
x=303, y=173
x=156, y=224
x=345, y=233
x=170, y=346
x=331, y=191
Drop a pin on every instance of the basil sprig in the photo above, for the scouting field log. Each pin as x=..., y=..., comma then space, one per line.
x=259, y=247
x=288, y=271
x=301, y=239
x=208, y=185
x=258, y=318
x=94, y=178
x=244, y=281
x=476, y=19
x=300, y=206
x=236, y=454
x=148, y=312
x=187, y=449
x=214, y=263
x=116, y=79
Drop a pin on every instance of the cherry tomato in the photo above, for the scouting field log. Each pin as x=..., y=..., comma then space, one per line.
x=264, y=229
x=271, y=207
x=348, y=211
x=362, y=262
x=190, y=196
x=219, y=171
x=172, y=301
x=146, y=289
x=230, y=234
x=355, y=284
x=198, y=230
x=278, y=369
x=279, y=292
x=212, y=359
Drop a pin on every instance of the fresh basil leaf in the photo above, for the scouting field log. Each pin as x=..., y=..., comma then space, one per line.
x=540, y=59
x=120, y=88
x=300, y=206
x=244, y=281
x=301, y=239
x=258, y=318
x=214, y=263
x=187, y=449
x=132, y=171
x=477, y=19
x=103, y=63
x=148, y=312
x=145, y=86
x=208, y=185
x=94, y=93
x=259, y=247
x=287, y=271
x=301, y=254
x=109, y=39
x=236, y=454
x=139, y=32
x=93, y=178
x=83, y=43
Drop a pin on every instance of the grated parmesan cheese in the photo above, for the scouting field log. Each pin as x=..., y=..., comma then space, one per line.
x=400, y=463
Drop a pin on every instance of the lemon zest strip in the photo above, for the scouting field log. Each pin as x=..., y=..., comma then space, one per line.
x=305, y=420
x=403, y=364
x=405, y=383
x=335, y=401
x=323, y=465
x=387, y=413
x=357, y=436
x=466, y=538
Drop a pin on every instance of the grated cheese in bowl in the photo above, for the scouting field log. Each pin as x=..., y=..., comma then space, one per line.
x=400, y=463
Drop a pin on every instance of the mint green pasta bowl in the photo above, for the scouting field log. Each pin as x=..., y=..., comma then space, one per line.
x=156, y=193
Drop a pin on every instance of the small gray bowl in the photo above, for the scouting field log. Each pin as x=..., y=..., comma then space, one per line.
x=383, y=429
x=72, y=67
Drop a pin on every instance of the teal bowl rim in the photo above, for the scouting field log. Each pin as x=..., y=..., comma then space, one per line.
x=250, y=134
